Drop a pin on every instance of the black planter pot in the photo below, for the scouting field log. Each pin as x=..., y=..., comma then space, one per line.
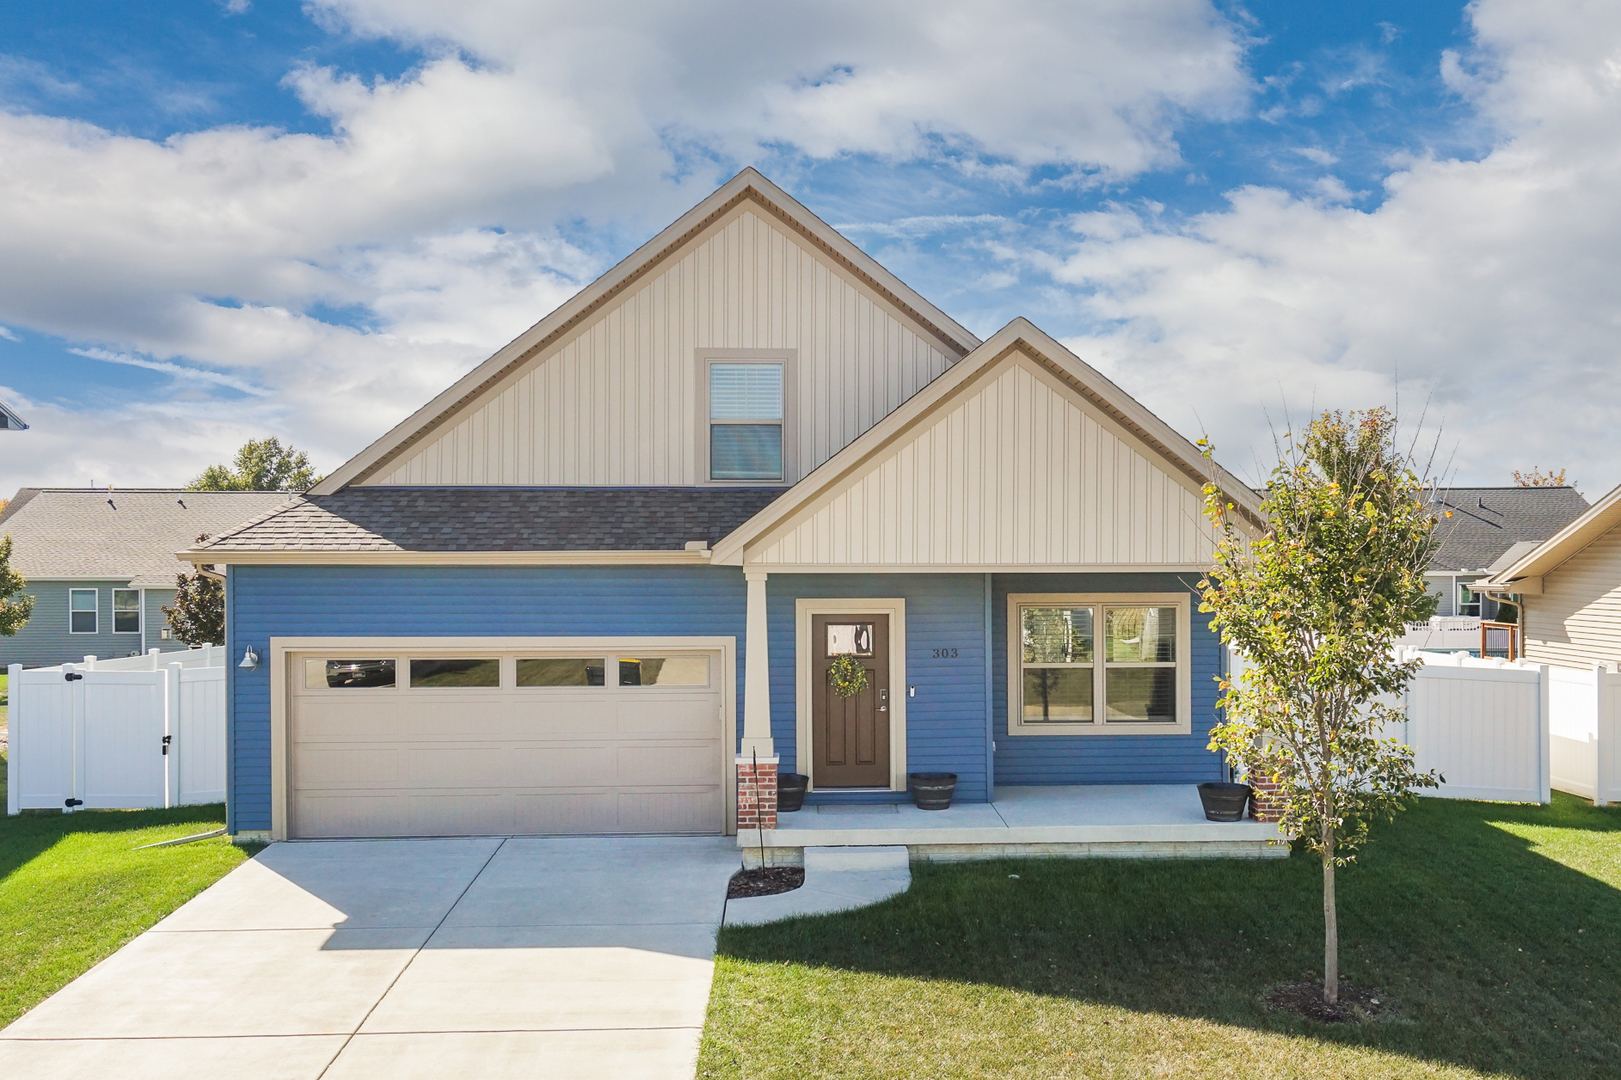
x=932, y=790
x=1224, y=802
x=791, y=791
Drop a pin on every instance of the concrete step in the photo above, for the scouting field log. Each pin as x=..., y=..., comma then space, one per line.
x=868, y=859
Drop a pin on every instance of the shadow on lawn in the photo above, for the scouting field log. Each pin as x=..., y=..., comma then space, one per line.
x=1495, y=956
x=33, y=832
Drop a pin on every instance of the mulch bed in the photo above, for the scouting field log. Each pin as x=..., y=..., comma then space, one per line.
x=1357, y=1004
x=765, y=881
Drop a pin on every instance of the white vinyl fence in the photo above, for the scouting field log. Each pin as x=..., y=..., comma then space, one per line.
x=1482, y=724
x=136, y=733
x=1586, y=732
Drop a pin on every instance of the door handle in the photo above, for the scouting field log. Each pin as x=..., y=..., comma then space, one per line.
x=883, y=708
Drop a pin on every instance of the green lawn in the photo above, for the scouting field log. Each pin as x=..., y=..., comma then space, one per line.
x=1494, y=929
x=73, y=889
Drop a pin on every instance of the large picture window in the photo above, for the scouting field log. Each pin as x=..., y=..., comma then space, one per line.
x=745, y=421
x=1098, y=664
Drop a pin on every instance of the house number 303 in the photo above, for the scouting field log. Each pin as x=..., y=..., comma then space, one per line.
x=945, y=654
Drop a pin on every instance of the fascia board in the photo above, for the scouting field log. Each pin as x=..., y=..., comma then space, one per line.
x=215, y=557
x=1020, y=333
x=628, y=269
x=1559, y=548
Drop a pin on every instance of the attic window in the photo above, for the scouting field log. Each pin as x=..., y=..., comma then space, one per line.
x=745, y=421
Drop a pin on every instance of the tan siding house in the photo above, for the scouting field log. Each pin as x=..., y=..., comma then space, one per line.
x=1571, y=590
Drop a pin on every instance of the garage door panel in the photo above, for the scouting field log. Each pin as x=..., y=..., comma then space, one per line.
x=670, y=811
x=564, y=766
x=667, y=716
x=667, y=764
x=463, y=761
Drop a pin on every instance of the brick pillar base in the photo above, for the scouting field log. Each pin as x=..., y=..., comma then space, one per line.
x=1263, y=803
x=757, y=793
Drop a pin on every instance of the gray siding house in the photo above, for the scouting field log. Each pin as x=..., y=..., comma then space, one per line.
x=1479, y=526
x=100, y=564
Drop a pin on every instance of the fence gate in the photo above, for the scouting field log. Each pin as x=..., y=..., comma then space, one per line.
x=117, y=737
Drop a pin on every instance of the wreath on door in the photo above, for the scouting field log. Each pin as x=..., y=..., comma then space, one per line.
x=847, y=676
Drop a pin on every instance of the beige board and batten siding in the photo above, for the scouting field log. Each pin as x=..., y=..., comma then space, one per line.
x=617, y=401
x=1015, y=470
x=1576, y=621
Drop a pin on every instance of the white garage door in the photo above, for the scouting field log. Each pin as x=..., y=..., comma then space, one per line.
x=427, y=743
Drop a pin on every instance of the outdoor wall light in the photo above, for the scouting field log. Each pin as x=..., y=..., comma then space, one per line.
x=250, y=659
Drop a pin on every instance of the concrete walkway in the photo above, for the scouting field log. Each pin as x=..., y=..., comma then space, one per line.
x=493, y=958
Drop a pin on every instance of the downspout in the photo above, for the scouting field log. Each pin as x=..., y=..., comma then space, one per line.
x=142, y=617
x=230, y=707
x=990, y=709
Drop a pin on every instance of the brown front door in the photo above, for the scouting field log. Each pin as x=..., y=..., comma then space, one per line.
x=850, y=735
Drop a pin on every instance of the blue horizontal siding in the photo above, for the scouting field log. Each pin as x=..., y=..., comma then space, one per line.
x=461, y=601
x=945, y=722
x=1106, y=759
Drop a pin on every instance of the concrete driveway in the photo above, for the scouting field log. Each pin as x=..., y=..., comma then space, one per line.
x=407, y=958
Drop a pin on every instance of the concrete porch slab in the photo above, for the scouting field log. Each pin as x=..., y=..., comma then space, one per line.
x=1135, y=820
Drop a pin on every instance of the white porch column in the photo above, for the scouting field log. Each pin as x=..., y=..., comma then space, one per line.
x=756, y=674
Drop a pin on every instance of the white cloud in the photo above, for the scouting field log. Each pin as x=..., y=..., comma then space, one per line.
x=1493, y=285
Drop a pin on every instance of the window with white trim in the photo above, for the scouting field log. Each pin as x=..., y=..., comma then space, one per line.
x=1088, y=665
x=126, y=611
x=82, y=611
x=745, y=420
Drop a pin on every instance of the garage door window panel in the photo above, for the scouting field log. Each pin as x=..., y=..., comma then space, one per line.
x=346, y=674
x=664, y=671
x=563, y=671
x=455, y=673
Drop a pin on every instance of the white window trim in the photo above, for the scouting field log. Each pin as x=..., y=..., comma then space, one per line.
x=140, y=615
x=788, y=360
x=1184, y=663
x=84, y=633
x=895, y=608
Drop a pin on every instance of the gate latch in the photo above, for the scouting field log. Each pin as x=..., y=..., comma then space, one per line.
x=71, y=676
x=70, y=803
x=166, y=739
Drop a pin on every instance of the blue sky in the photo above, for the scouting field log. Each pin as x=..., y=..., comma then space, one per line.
x=219, y=220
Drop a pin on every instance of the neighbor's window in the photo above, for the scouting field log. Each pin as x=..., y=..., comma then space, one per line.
x=745, y=421
x=81, y=611
x=1084, y=667
x=1468, y=601
x=347, y=674
x=126, y=611
x=664, y=671
x=440, y=674
x=563, y=671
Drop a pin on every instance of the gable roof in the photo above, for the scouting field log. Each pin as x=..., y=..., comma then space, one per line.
x=363, y=521
x=748, y=185
x=1018, y=337
x=1487, y=521
x=130, y=533
x=9, y=420
x=1558, y=549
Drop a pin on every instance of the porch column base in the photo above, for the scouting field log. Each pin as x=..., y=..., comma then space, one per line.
x=757, y=792
x=1264, y=803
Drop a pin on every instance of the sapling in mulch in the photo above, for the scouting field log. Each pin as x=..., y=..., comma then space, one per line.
x=1315, y=605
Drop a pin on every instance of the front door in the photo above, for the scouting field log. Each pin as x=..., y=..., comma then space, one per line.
x=850, y=735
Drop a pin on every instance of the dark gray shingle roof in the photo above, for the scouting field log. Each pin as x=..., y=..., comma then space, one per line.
x=500, y=519
x=128, y=533
x=1486, y=522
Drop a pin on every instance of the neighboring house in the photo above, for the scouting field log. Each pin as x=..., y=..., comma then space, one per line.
x=1570, y=590
x=9, y=420
x=603, y=576
x=101, y=564
x=1477, y=527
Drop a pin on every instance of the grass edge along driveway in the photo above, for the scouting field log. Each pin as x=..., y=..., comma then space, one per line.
x=1494, y=929
x=73, y=889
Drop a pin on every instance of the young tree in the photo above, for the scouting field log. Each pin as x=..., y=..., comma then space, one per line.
x=261, y=465
x=14, y=609
x=1315, y=605
x=198, y=614
x=1538, y=478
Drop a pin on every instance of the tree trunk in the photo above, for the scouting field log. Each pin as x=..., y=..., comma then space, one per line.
x=1331, y=924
